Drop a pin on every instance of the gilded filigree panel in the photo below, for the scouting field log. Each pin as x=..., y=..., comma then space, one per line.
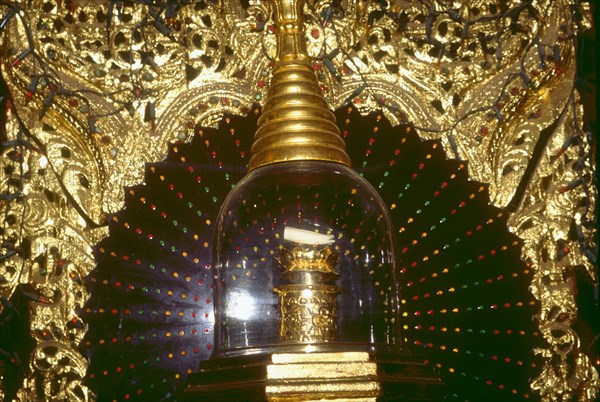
x=98, y=89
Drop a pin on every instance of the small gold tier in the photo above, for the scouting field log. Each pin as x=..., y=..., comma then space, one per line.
x=296, y=123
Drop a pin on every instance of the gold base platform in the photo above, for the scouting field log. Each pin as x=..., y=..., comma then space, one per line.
x=336, y=376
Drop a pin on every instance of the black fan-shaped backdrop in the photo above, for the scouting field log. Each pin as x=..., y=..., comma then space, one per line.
x=466, y=305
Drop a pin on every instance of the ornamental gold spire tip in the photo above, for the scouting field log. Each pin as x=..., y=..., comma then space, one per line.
x=296, y=123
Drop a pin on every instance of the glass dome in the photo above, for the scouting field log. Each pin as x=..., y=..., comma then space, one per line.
x=305, y=261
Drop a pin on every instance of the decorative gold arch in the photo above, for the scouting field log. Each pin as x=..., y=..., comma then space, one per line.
x=97, y=89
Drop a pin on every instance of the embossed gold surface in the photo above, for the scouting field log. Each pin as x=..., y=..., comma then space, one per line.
x=307, y=301
x=112, y=108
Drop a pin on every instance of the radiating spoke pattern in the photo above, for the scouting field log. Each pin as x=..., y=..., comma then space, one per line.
x=465, y=304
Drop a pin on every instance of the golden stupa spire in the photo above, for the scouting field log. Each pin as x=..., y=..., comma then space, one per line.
x=296, y=123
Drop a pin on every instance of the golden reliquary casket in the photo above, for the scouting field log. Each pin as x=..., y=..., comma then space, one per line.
x=292, y=200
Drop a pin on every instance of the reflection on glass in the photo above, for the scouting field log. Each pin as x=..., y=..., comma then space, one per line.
x=304, y=256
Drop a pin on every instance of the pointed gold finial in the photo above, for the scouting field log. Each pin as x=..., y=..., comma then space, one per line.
x=296, y=123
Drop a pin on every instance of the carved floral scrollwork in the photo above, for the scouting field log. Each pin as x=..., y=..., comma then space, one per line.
x=115, y=83
x=552, y=221
x=58, y=371
x=307, y=319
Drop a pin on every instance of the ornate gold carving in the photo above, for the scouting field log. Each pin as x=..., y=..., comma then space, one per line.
x=307, y=314
x=487, y=86
x=307, y=304
x=59, y=368
x=60, y=247
x=303, y=258
x=551, y=206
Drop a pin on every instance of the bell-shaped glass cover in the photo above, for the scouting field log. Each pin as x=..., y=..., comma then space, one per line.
x=305, y=258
